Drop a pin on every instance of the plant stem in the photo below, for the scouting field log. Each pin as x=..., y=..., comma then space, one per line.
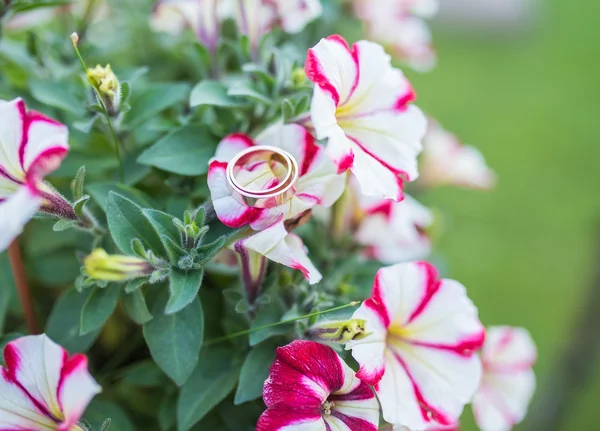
x=20, y=277
x=271, y=325
x=113, y=134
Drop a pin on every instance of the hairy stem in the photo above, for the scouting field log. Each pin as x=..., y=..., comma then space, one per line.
x=295, y=319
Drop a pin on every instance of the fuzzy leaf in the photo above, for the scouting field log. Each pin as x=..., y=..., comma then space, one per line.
x=126, y=222
x=135, y=305
x=57, y=95
x=168, y=233
x=98, y=307
x=183, y=288
x=185, y=151
x=254, y=372
x=212, y=93
x=152, y=101
x=174, y=340
x=213, y=379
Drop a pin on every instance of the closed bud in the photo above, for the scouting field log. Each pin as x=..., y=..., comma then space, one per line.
x=338, y=331
x=107, y=87
x=298, y=77
x=100, y=265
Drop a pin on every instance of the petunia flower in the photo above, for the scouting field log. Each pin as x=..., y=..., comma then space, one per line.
x=422, y=354
x=42, y=388
x=362, y=106
x=446, y=161
x=295, y=14
x=31, y=146
x=395, y=232
x=508, y=380
x=203, y=17
x=311, y=388
x=318, y=182
x=400, y=25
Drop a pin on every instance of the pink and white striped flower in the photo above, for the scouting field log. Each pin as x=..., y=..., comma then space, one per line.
x=31, y=146
x=311, y=388
x=400, y=25
x=42, y=388
x=508, y=380
x=203, y=17
x=394, y=232
x=318, y=182
x=422, y=354
x=362, y=105
x=446, y=161
x=295, y=14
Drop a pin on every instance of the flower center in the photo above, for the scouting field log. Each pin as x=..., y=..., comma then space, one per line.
x=327, y=406
x=397, y=334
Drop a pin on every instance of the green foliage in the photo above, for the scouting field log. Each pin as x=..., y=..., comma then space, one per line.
x=254, y=372
x=185, y=151
x=98, y=307
x=213, y=379
x=135, y=306
x=174, y=340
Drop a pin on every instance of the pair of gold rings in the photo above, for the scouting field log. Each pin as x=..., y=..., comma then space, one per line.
x=272, y=196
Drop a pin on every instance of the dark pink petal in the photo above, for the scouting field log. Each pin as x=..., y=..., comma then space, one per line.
x=281, y=419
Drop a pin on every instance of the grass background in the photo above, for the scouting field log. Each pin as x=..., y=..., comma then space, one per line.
x=526, y=251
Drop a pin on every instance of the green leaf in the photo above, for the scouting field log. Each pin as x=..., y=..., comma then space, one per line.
x=245, y=89
x=213, y=379
x=77, y=183
x=287, y=110
x=79, y=206
x=265, y=316
x=183, y=287
x=126, y=222
x=144, y=374
x=99, y=410
x=135, y=284
x=65, y=320
x=185, y=151
x=254, y=372
x=61, y=225
x=152, y=101
x=98, y=307
x=212, y=93
x=166, y=229
x=99, y=192
x=24, y=5
x=56, y=94
x=175, y=340
x=135, y=305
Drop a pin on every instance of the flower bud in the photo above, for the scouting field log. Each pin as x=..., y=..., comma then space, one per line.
x=107, y=87
x=338, y=331
x=102, y=266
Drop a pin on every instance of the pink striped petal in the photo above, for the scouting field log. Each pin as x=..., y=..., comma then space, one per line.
x=431, y=334
x=60, y=387
x=362, y=105
x=18, y=411
x=13, y=119
x=44, y=146
x=295, y=14
x=446, y=161
x=308, y=384
x=508, y=379
x=318, y=182
x=15, y=211
x=276, y=244
x=75, y=391
x=392, y=232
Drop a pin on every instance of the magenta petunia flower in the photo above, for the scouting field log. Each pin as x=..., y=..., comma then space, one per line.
x=42, y=388
x=311, y=388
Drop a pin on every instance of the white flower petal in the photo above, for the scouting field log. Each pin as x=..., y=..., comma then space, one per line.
x=12, y=119
x=15, y=212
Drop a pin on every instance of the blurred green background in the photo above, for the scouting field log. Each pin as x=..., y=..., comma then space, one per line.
x=527, y=251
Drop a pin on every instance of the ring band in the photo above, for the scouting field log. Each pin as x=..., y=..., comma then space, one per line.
x=273, y=196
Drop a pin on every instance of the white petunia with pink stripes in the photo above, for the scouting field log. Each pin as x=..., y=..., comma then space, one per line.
x=422, y=354
x=42, y=388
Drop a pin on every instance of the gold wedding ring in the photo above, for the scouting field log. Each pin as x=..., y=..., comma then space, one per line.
x=273, y=196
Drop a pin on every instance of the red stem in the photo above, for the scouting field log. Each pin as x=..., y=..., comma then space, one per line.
x=20, y=277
